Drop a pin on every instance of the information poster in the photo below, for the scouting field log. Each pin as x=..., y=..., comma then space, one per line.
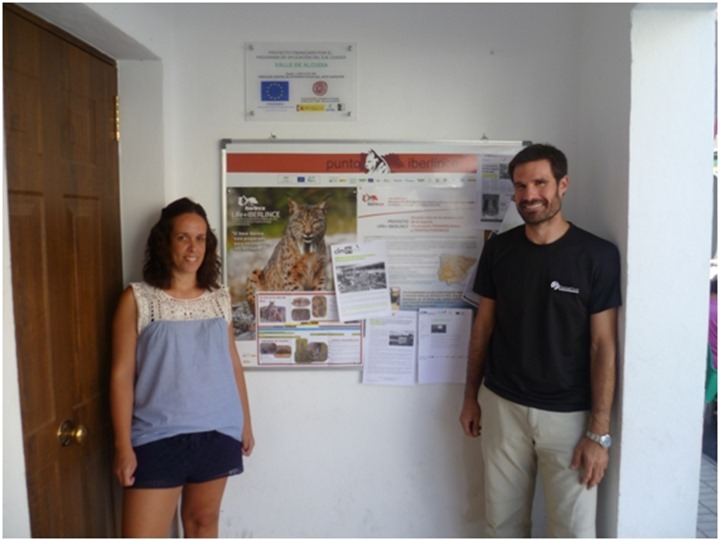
x=289, y=203
x=431, y=236
x=443, y=345
x=302, y=329
x=391, y=352
x=496, y=190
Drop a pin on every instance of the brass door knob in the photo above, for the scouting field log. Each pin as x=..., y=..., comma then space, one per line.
x=69, y=433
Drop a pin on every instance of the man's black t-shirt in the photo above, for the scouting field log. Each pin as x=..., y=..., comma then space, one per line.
x=539, y=353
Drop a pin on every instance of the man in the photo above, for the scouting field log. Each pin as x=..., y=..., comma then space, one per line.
x=543, y=346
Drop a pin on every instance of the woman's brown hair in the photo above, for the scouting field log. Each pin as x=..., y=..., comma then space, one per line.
x=157, y=270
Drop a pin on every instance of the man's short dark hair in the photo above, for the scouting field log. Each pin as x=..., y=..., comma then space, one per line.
x=537, y=152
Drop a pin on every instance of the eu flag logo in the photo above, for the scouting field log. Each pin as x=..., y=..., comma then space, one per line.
x=274, y=90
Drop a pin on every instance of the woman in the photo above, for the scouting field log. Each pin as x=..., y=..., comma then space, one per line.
x=178, y=396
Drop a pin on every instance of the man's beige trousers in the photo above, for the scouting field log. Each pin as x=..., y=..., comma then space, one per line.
x=516, y=443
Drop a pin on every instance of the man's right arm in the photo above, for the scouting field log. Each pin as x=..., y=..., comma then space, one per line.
x=479, y=341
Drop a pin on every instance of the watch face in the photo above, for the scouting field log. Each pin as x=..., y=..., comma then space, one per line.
x=605, y=440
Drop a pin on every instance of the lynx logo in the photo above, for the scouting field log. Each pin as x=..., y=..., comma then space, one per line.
x=555, y=285
x=372, y=200
x=245, y=201
x=250, y=208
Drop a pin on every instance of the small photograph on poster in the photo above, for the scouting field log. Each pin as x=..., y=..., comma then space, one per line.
x=296, y=307
x=277, y=240
x=361, y=278
x=495, y=190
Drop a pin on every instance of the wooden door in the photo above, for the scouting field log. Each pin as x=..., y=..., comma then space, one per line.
x=62, y=178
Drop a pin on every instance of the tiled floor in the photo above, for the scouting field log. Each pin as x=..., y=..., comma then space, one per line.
x=707, y=508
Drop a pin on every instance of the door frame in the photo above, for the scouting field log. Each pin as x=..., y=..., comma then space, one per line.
x=16, y=511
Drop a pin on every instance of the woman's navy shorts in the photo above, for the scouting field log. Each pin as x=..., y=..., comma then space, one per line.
x=187, y=458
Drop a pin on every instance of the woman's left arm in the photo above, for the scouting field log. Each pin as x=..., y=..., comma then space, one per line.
x=248, y=440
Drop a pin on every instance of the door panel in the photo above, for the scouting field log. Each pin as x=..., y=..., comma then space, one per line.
x=27, y=214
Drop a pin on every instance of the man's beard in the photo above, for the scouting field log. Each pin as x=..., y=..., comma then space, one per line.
x=538, y=215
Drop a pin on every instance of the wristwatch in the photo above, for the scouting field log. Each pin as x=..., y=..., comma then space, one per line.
x=605, y=440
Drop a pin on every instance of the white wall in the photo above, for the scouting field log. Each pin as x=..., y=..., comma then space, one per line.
x=142, y=159
x=336, y=458
x=670, y=208
x=415, y=65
